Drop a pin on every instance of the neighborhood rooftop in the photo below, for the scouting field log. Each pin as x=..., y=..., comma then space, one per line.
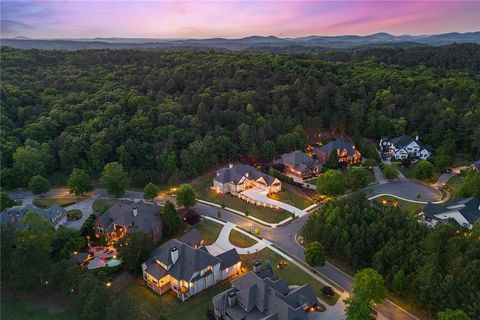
x=55, y=214
x=337, y=145
x=465, y=212
x=235, y=173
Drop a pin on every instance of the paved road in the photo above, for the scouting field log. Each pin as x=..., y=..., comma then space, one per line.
x=379, y=177
x=406, y=189
x=283, y=237
x=85, y=207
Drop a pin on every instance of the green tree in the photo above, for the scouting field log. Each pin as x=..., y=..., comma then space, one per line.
x=331, y=183
x=8, y=245
x=356, y=178
x=5, y=201
x=369, y=284
x=123, y=307
x=332, y=161
x=452, y=315
x=79, y=182
x=38, y=184
x=390, y=171
x=134, y=249
x=357, y=308
x=114, y=178
x=423, y=170
x=471, y=185
x=399, y=281
x=150, y=191
x=171, y=220
x=28, y=162
x=315, y=254
x=185, y=196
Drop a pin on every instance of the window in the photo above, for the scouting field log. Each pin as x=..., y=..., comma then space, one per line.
x=226, y=270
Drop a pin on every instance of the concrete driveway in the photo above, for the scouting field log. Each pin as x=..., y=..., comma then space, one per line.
x=260, y=195
x=406, y=189
x=85, y=207
x=223, y=243
x=379, y=177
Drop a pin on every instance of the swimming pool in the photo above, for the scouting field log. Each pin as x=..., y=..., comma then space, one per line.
x=113, y=262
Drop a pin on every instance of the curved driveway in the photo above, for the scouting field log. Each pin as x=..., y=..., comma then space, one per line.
x=406, y=189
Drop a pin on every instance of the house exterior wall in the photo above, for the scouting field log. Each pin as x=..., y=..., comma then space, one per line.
x=231, y=271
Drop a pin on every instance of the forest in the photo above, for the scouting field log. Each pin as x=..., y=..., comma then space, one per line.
x=168, y=115
x=435, y=267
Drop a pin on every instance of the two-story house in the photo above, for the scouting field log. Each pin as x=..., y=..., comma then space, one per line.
x=299, y=164
x=241, y=177
x=186, y=270
x=400, y=148
x=347, y=152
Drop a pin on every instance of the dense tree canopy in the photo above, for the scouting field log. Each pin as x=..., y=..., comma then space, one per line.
x=169, y=115
x=428, y=265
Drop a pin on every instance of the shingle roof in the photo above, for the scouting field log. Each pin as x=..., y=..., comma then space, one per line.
x=192, y=238
x=121, y=213
x=337, y=145
x=298, y=158
x=476, y=165
x=468, y=208
x=236, y=173
x=228, y=258
x=402, y=141
x=12, y=215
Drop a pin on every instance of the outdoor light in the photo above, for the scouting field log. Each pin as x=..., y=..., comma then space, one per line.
x=109, y=284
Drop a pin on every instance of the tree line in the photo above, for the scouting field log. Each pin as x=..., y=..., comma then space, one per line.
x=167, y=115
x=435, y=267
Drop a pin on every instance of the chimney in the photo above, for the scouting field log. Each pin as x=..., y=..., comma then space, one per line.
x=416, y=138
x=135, y=212
x=257, y=266
x=230, y=166
x=174, y=254
x=232, y=298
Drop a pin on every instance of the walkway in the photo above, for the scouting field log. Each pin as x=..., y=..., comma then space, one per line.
x=223, y=243
x=261, y=196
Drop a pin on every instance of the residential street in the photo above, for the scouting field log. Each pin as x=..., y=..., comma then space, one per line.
x=406, y=189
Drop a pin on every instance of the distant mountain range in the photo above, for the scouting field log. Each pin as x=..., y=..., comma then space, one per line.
x=248, y=43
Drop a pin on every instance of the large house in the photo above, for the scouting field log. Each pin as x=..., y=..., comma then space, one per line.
x=55, y=214
x=259, y=295
x=403, y=147
x=299, y=164
x=464, y=212
x=240, y=177
x=128, y=216
x=186, y=270
x=347, y=153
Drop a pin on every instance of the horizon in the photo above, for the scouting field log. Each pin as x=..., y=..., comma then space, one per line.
x=46, y=20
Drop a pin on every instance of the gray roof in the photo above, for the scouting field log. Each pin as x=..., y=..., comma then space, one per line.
x=236, y=173
x=192, y=238
x=298, y=160
x=265, y=298
x=336, y=145
x=121, y=213
x=12, y=215
x=476, y=165
x=78, y=258
x=190, y=260
x=405, y=140
x=468, y=208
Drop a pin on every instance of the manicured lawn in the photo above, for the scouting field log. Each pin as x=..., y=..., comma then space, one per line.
x=293, y=196
x=202, y=187
x=63, y=201
x=404, y=205
x=168, y=306
x=209, y=230
x=240, y=240
x=41, y=308
x=103, y=204
x=292, y=274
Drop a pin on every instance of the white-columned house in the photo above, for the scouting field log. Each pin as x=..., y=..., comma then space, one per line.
x=405, y=146
x=241, y=177
x=186, y=270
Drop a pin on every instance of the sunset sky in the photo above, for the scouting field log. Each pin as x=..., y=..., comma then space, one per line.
x=233, y=19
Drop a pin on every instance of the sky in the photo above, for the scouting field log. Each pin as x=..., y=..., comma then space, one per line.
x=233, y=19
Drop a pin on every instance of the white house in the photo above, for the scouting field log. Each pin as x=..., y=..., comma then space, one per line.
x=403, y=147
x=186, y=270
x=464, y=212
x=240, y=177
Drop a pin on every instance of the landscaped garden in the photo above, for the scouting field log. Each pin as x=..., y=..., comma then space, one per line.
x=209, y=230
x=288, y=271
x=74, y=214
x=241, y=240
x=47, y=202
x=202, y=188
x=402, y=204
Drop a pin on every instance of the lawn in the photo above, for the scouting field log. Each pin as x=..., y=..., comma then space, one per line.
x=41, y=308
x=292, y=274
x=402, y=204
x=454, y=183
x=61, y=201
x=241, y=240
x=209, y=230
x=103, y=204
x=410, y=173
x=168, y=306
x=293, y=196
x=370, y=178
x=202, y=188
